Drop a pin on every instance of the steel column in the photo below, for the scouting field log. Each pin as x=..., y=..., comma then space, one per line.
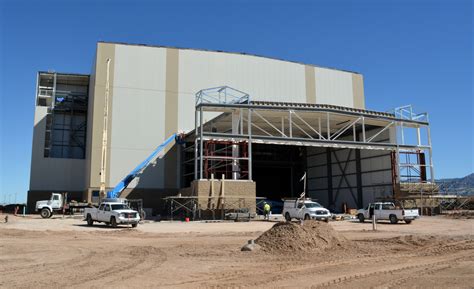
x=201, y=131
x=329, y=176
x=249, y=132
x=360, y=193
x=319, y=127
x=418, y=135
x=290, y=123
x=432, y=178
x=363, y=129
x=195, y=145
x=328, y=127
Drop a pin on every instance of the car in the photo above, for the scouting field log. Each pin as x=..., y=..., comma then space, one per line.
x=305, y=209
x=112, y=212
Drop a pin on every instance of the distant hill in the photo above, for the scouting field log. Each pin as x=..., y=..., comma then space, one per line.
x=463, y=186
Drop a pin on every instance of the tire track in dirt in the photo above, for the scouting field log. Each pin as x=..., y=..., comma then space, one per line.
x=294, y=271
x=433, y=266
x=140, y=261
x=88, y=266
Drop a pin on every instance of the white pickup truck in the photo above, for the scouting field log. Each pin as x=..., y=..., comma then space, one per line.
x=305, y=209
x=387, y=211
x=113, y=213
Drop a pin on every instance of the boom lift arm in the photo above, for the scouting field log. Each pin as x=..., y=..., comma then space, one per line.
x=117, y=190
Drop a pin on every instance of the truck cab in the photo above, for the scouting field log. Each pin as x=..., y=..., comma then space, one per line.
x=47, y=207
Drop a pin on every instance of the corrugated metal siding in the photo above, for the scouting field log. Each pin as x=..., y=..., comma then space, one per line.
x=375, y=174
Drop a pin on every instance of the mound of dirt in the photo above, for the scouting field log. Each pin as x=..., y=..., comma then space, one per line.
x=311, y=236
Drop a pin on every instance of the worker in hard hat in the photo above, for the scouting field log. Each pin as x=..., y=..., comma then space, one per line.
x=266, y=210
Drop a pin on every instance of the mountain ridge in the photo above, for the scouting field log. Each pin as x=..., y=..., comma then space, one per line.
x=463, y=185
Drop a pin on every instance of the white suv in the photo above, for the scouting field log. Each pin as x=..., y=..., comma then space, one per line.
x=305, y=209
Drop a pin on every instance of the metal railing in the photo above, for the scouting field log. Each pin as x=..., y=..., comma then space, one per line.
x=222, y=95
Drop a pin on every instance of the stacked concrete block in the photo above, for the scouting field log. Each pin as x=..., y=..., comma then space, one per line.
x=223, y=194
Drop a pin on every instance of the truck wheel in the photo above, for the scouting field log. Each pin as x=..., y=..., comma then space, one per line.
x=113, y=222
x=45, y=213
x=327, y=220
x=287, y=217
x=134, y=225
x=361, y=218
x=307, y=217
x=90, y=222
x=393, y=219
x=408, y=221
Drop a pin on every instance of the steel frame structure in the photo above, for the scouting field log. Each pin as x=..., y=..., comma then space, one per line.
x=238, y=119
x=62, y=105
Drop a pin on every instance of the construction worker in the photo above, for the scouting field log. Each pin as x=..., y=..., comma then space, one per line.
x=266, y=211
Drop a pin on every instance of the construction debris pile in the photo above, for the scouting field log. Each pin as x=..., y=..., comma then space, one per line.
x=310, y=237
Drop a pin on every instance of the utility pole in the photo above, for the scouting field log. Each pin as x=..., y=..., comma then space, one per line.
x=103, y=164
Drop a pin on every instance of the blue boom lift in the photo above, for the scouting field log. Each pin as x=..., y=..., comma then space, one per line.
x=118, y=189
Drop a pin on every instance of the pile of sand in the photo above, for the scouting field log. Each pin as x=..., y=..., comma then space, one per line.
x=311, y=236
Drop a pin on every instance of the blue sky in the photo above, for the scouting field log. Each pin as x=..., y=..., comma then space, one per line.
x=410, y=52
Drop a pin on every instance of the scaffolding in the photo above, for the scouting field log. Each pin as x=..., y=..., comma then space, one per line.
x=181, y=207
x=226, y=158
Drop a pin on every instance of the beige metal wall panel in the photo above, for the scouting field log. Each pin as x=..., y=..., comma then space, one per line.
x=264, y=79
x=310, y=84
x=52, y=174
x=96, y=112
x=172, y=164
x=358, y=90
x=90, y=113
x=138, y=113
x=334, y=87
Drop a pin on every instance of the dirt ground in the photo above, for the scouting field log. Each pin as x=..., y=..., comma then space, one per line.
x=433, y=252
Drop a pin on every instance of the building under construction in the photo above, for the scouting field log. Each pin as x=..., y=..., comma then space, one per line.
x=254, y=127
